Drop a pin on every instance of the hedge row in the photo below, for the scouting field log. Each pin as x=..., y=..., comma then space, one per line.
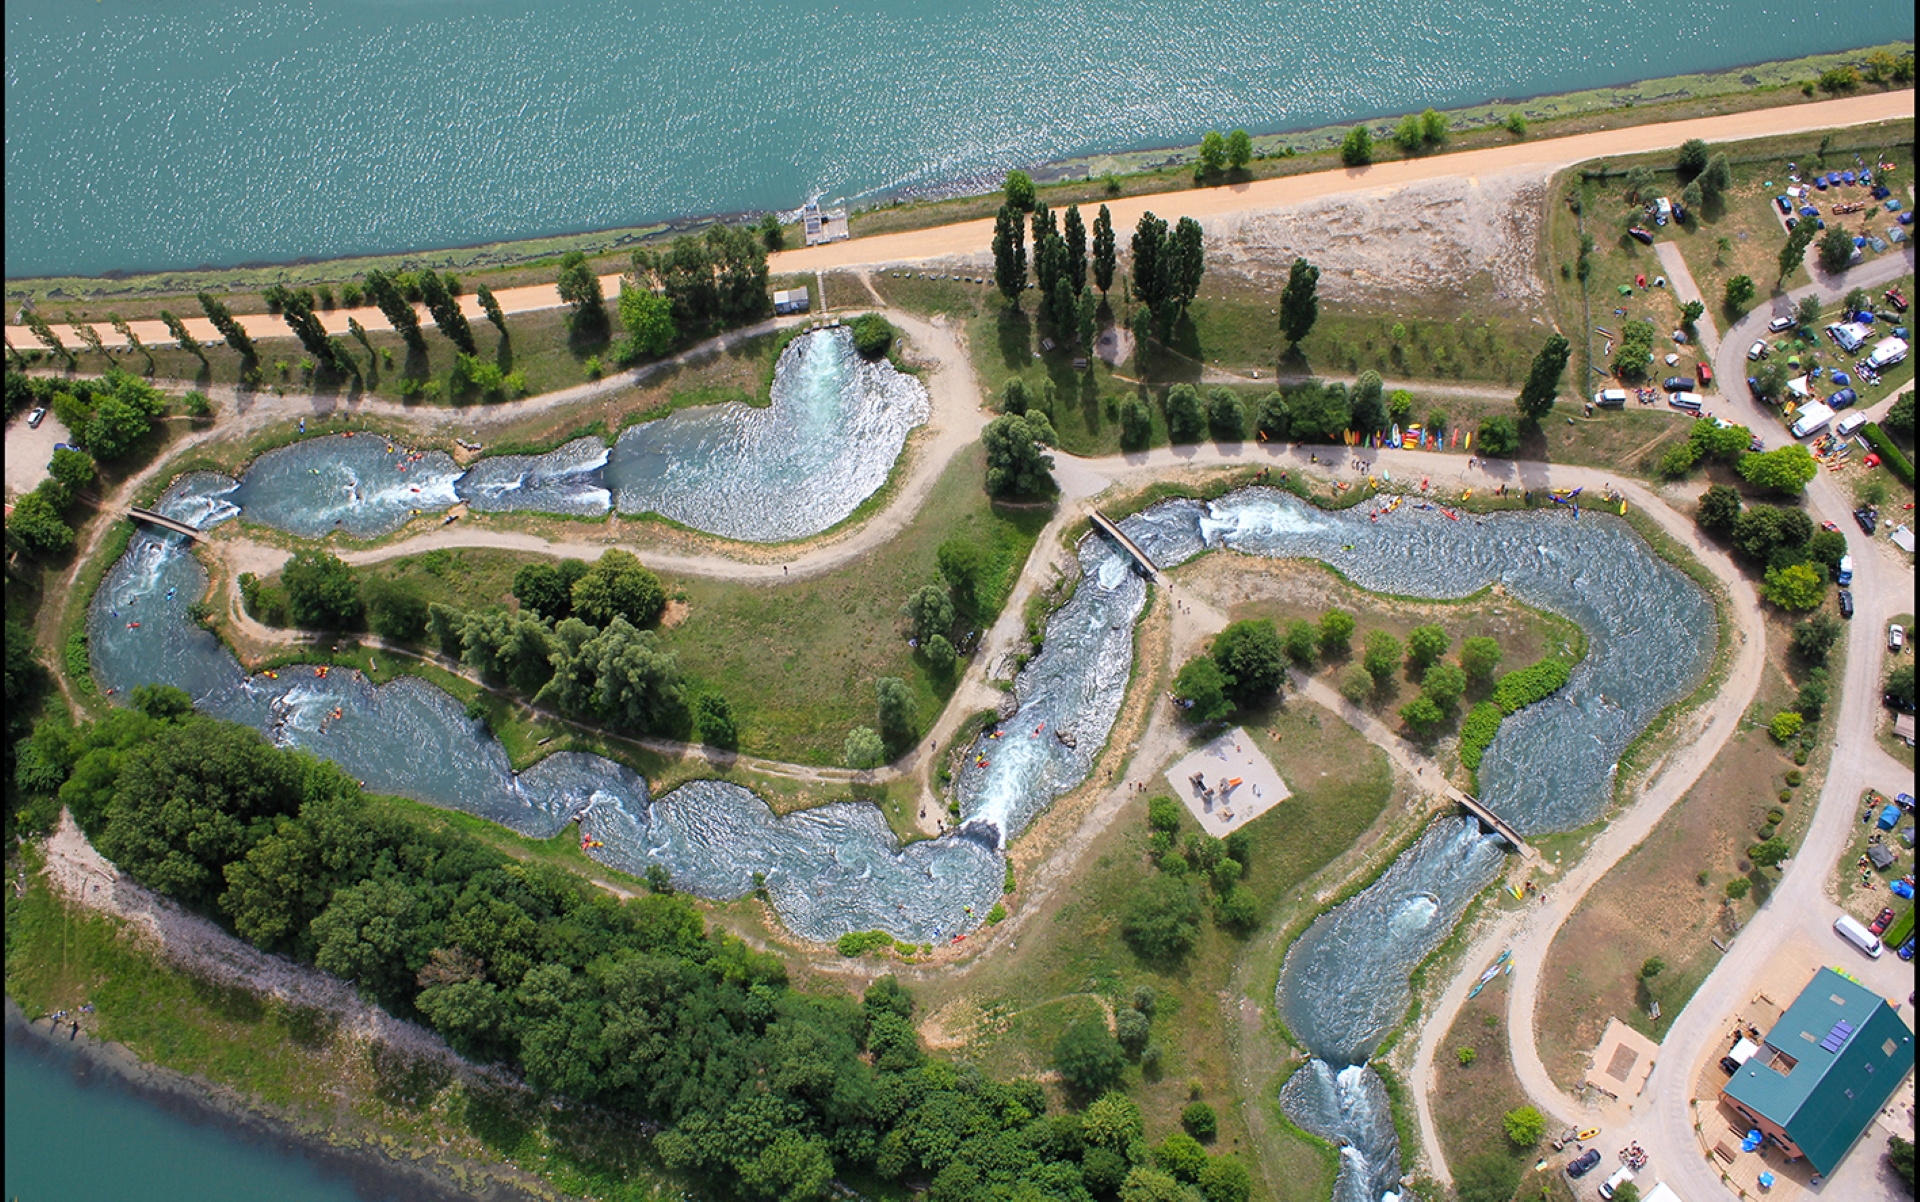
x=1896, y=462
x=1524, y=686
x=1476, y=732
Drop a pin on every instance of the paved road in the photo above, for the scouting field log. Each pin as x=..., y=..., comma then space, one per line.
x=1540, y=157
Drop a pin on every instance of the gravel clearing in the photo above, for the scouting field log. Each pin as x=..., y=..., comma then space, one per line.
x=1442, y=238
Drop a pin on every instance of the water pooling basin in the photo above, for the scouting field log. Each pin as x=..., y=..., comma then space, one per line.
x=834, y=428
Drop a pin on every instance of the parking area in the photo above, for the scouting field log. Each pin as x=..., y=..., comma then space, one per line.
x=29, y=451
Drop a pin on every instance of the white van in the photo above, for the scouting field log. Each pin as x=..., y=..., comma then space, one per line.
x=1848, y=424
x=1610, y=398
x=1690, y=401
x=1620, y=1177
x=1858, y=935
x=1811, y=420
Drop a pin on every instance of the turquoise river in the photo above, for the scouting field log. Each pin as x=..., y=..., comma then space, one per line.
x=145, y=135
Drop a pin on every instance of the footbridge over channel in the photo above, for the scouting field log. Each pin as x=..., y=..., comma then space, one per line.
x=1497, y=824
x=164, y=522
x=1111, y=529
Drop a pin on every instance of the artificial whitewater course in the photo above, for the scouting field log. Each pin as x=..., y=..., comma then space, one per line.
x=839, y=868
x=833, y=430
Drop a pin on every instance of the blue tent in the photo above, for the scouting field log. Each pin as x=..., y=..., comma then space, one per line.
x=1889, y=817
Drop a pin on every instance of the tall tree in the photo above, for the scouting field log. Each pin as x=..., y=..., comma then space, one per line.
x=398, y=312
x=1019, y=190
x=1149, y=274
x=1543, y=379
x=183, y=336
x=1189, y=259
x=1213, y=156
x=1010, y=253
x=125, y=331
x=580, y=287
x=298, y=314
x=360, y=335
x=86, y=333
x=1239, y=150
x=1795, y=251
x=1076, y=236
x=1300, y=301
x=1104, y=258
x=446, y=311
x=47, y=337
x=491, y=304
x=230, y=329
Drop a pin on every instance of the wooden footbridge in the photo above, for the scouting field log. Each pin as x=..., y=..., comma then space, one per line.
x=164, y=522
x=1478, y=809
x=1106, y=526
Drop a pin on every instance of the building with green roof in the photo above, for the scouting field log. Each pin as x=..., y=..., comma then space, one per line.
x=1825, y=1070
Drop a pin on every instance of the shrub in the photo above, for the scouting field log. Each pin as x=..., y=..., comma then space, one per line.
x=1785, y=725
x=1088, y=1057
x=872, y=335
x=1524, y=1125
x=997, y=915
x=1524, y=686
x=860, y=943
x=1302, y=643
x=1163, y=921
x=1163, y=814
x=1738, y=888
x=1794, y=778
x=1132, y=1029
x=1336, y=633
x=1482, y=723
x=1466, y=1056
x=1199, y=1121
x=1355, y=683
x=1181, y=1155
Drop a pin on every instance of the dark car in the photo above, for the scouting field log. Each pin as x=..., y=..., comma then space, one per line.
x=1645, y=236
x=1867, y=517
x=1584, y=1164
x=1846, y=603
x=1894, y=701
x=1676, y=383
x=1883, y=922
x=1783, y=204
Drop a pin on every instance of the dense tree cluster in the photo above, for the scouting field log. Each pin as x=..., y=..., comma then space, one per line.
x=712, y=282
x=1168, y=263
x=761, y=1091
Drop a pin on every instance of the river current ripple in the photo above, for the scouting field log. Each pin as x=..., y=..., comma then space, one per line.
x=839, y=868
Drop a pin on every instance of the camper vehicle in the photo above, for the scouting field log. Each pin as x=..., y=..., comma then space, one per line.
x=1848, y=424
x=1611, y=398
x=1811, y=419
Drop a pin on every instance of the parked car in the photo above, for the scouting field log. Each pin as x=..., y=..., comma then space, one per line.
x=1894, y=701
x=1645, y=236
x=1791, y=222
x=1676, y=383
x=1780, y=324
x=1783, y=204
x=1896, y=637
x=1897, y=299
x=1584, y=1163
x=1758, y=350
x=1880, y=924
x=1705, y=371
x=1756, y=445
x=1846, y=603
x=36, y=417
x=1867, y=517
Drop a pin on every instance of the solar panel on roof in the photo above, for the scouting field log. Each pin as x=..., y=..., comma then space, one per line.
x=1837, y=1038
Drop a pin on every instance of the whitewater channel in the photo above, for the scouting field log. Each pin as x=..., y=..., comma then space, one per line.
x=838, y=868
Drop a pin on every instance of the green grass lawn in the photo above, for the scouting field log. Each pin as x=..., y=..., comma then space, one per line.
x=797, y=659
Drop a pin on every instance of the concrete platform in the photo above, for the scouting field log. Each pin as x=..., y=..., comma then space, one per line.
x=1622, y=1062
x=1231, y=755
